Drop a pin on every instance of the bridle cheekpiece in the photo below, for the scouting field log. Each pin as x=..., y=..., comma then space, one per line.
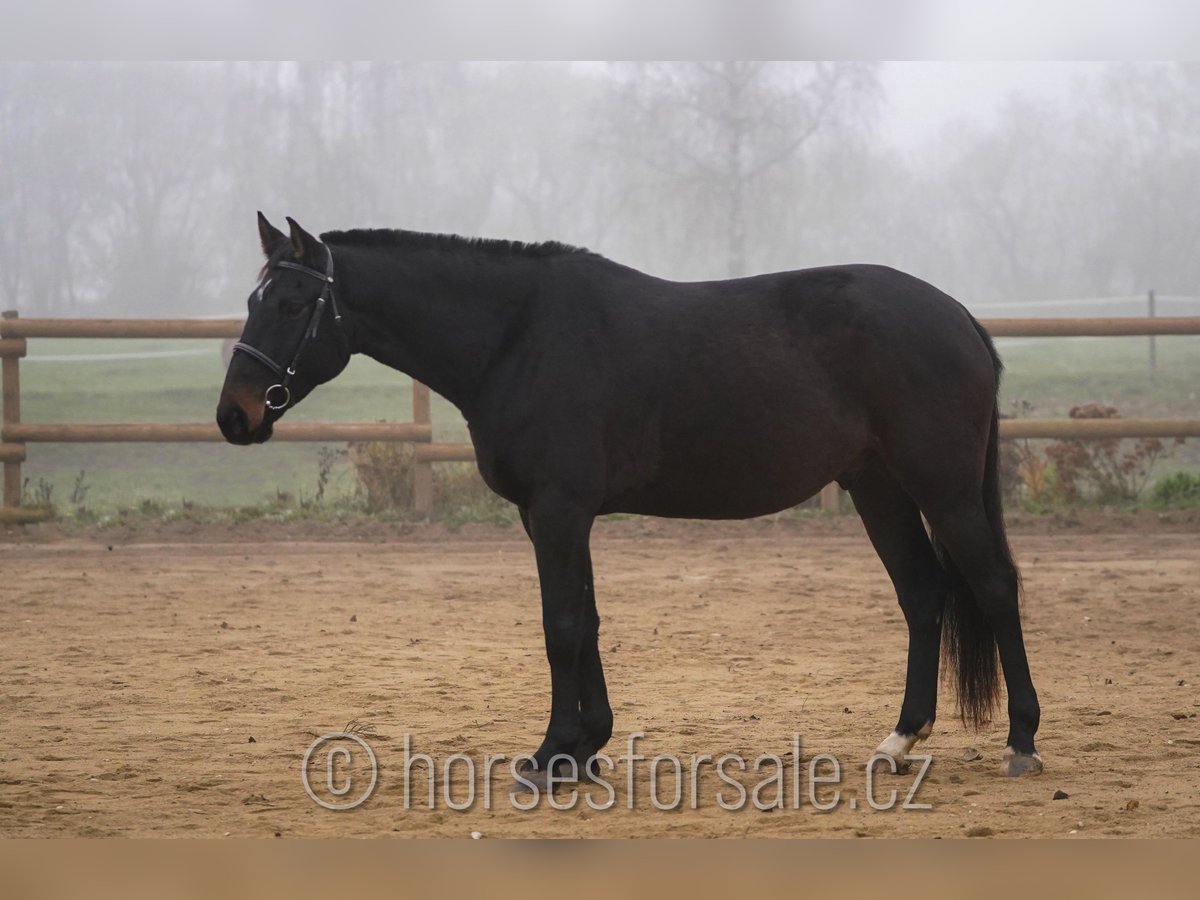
x=279, y=396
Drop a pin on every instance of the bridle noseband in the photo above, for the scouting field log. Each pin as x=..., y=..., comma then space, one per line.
x=310, y=332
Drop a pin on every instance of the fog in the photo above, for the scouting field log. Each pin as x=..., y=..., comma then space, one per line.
x=130, y=189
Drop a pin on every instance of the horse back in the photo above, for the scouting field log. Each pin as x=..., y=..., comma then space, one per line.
x=723, y=399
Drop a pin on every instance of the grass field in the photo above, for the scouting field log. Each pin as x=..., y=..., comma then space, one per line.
x=1051, y=374
x=1055, y=374
x=185, y=389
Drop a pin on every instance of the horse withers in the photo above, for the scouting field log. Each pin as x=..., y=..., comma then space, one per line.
x=592, y=388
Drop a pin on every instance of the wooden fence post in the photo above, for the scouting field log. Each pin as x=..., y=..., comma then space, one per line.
x=831, y=498
x=10, y=374
x=422, y=471
x=1151, y=312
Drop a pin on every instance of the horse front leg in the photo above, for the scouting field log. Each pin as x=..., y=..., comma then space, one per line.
x=595, y=711
x=560, y=531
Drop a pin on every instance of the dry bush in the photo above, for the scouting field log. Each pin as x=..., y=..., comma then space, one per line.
x=1110, y=469
x=384, y=472
x=1107, y=470
x=1026, y=475
x=1037, y=479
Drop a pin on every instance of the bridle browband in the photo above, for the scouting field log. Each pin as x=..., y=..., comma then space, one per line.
x=310, y=332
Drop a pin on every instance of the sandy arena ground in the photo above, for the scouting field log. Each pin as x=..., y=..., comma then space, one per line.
x=171, y=689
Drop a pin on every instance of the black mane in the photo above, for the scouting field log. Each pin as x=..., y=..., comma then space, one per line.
x=395, y=237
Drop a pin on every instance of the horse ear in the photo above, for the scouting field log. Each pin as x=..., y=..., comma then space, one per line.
x=302, y=242
x=269, y=235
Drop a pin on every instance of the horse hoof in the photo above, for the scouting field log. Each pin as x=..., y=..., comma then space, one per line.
x=540, y=780
x=895, y=748
x=882, y=764
x=1016, y=764
x=529, y=782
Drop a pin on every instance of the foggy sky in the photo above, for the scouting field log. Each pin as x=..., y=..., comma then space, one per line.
x=130, y=189
x=922, y=97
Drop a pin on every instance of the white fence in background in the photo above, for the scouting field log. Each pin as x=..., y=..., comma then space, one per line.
x=1091, y=307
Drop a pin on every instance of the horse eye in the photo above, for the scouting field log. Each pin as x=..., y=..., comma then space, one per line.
x=292, y=304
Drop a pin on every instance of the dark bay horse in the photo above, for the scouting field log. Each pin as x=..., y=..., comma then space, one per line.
x=592, y=388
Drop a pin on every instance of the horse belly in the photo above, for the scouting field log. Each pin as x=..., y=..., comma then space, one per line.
x=743, y=466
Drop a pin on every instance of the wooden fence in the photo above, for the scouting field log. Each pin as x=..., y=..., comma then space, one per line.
x=15, y=434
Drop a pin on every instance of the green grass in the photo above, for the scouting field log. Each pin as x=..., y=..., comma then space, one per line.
x=185, y=389
x=1058, y=373
x=1055, y=374
x=1052, y=374
x=1178, y=491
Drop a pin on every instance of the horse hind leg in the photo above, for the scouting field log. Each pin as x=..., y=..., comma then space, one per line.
x=983, y=619
x=894, y=525
x=988, y=620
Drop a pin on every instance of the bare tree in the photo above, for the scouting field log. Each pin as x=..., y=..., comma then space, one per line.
x=715, y=132
x=131, y=188
x=47, y=185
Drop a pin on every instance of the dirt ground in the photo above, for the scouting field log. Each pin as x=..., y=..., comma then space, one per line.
x=170, y=687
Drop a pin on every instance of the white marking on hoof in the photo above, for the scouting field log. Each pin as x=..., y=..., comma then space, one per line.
x=898, y=745
x=1015, y=763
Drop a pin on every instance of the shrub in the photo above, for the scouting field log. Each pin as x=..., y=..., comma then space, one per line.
x=1178, y=490
x=460, y=495
x=384, y=472
x=1111, y=469
x=38, y=494
x=1032, y=477
x=1026, y=475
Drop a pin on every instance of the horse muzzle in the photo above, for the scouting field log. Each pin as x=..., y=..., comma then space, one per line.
x=238, y=427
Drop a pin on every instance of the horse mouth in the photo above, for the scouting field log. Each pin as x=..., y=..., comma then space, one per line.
x=247, y=438
x=235, y=426
x=263, y=434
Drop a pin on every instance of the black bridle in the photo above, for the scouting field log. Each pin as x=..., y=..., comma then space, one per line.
x=310, y=332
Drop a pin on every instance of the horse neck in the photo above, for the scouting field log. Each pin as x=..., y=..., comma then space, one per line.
x=440, y=316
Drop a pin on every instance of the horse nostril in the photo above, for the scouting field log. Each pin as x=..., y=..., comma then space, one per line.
x=233, y=423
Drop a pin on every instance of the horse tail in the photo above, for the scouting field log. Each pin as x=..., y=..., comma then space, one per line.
x=968, y=642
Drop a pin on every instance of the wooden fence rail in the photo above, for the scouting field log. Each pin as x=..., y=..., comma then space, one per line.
x=15, y=434
x=207, y=432
x=1120, y=326
x=11, y=326
x=1117, y=326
